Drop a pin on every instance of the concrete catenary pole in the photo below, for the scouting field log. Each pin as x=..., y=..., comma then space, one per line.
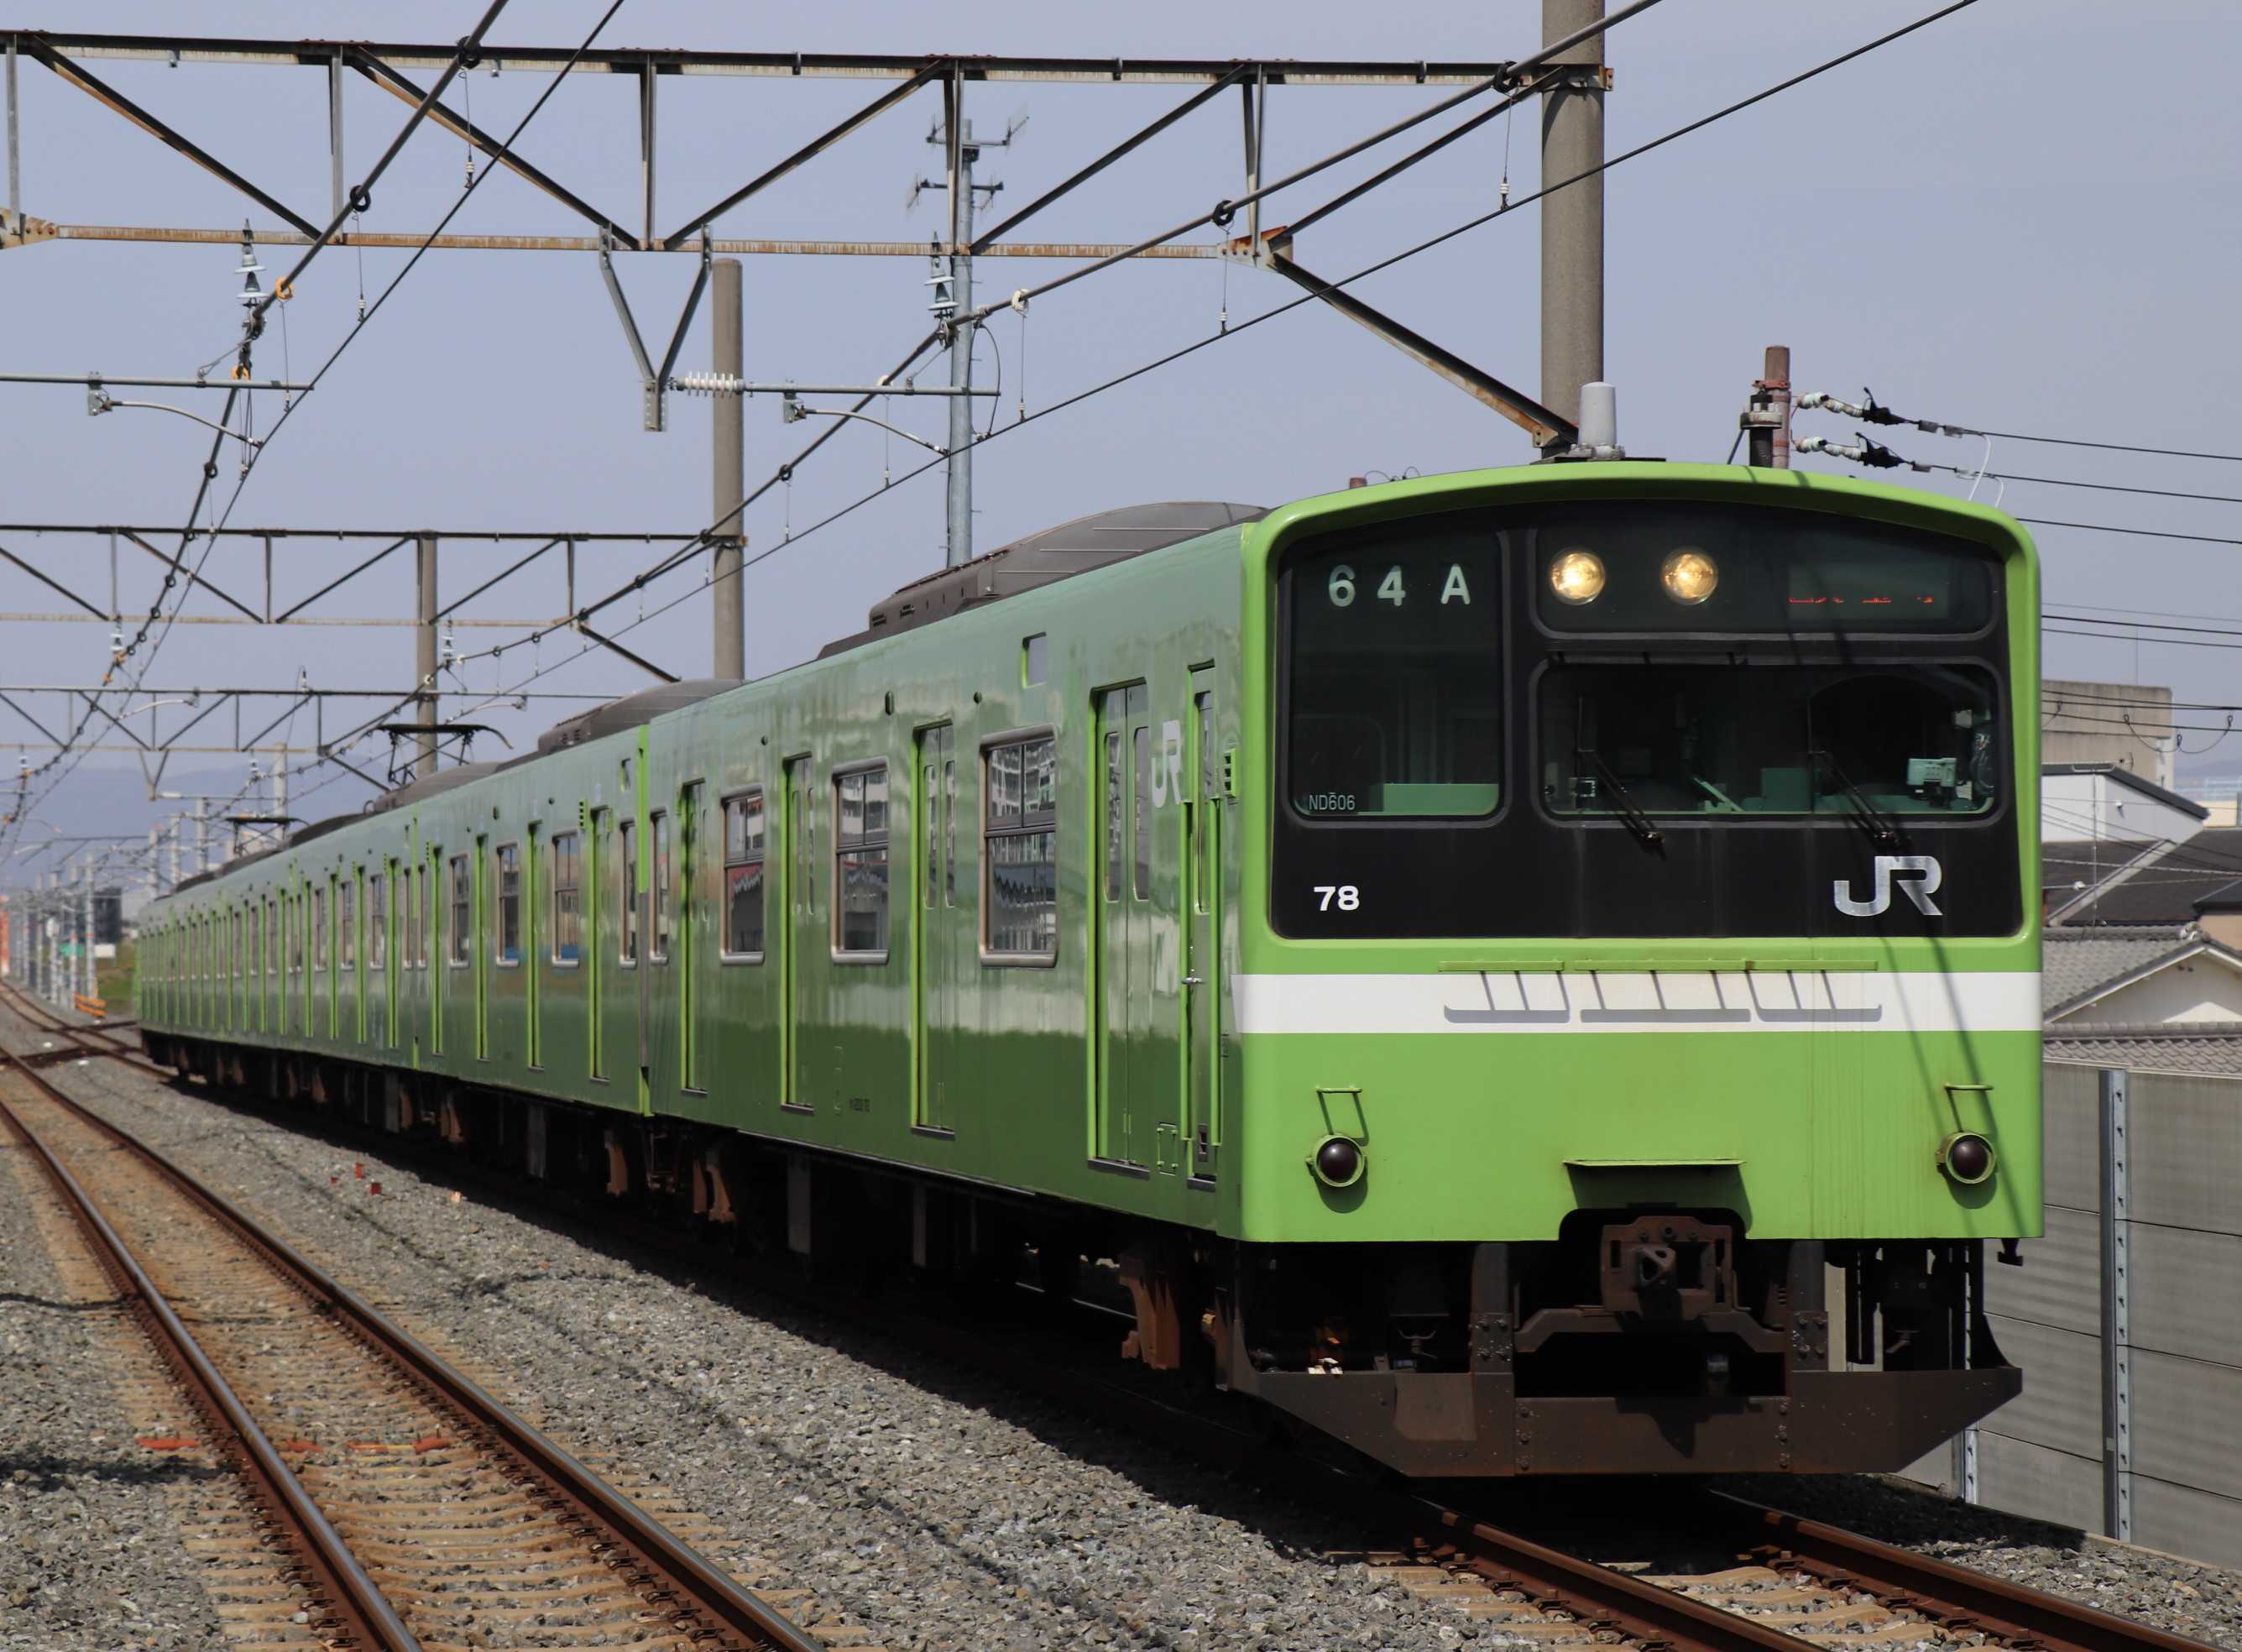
x=728, y=657
x=961, y=344
x=1573, y=218
x=86, y=933
x=424, y=657
x=202, y=835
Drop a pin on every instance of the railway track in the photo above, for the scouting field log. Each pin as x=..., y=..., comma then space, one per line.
x=422, y=1513
x=1785, y=1582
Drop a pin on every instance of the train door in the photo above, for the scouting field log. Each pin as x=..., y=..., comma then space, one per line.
x=1141, y=1062
x=945, y=941
x=619, y=959
x=1202, y=931
x=802, y=937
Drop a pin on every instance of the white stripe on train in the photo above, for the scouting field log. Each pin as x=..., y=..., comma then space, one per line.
x=1669, y=1001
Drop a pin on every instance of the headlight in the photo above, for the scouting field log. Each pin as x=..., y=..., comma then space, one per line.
x=1577, y=576
x=1966, y=1157
x=1690, y=575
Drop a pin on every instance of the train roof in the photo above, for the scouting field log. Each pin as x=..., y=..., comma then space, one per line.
x=1077, y=547
x=1087, y=542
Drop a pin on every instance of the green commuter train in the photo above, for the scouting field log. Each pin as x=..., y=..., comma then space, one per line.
x=1529, y=970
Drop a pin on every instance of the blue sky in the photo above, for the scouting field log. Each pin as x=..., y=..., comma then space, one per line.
x=1991, y=222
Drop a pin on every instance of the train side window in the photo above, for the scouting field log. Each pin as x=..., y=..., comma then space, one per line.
x=658, y=948
x=377, y=922
x=346, y=920
x=627, y=850
x=256, y=967
x=1020, y=896
x=319, y=929
x=508, y=865
x=745, y=847
x=568, y=896
x=860, y=864
x=463, y=909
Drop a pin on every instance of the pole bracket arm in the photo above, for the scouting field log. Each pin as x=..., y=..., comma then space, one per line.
x=653, y=384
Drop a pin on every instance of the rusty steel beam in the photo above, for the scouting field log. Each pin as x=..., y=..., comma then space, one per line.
x=781, y=65
x=54, y=584
x=483, y=535
x=983, y=242
x=37, y=230
x=610, y=644
x=192, y=578
x=308, y=620
x=810, y=151
x=1516, y=405
x=390, y=81
x=44, y=51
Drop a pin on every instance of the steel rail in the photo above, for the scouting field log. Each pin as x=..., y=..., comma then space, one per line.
x=365, y=1615
x=689, y=1576
x=1952, y=1595
x=1600, y=1597
x=1945, y=1594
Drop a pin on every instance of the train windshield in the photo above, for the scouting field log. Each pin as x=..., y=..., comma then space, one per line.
x=1715, y=739
x=1395, y=668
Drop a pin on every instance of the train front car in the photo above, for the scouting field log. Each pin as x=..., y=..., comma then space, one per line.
x=1640, y=1020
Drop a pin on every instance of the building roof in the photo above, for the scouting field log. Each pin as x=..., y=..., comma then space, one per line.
x=2127, y=777
x=2158, y=884
x=2068, y=867
x=2075, y=963
x=2202, y=1049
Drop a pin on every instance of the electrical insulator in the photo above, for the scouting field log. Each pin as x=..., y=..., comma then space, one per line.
x=708, y=383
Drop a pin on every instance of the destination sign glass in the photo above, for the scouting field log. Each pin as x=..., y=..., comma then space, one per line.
x=1675, y=568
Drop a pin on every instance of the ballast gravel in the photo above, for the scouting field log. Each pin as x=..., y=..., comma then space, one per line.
x=931, y=1509
x=2182, y=1596
x=90, y=1555
x=935, y=1512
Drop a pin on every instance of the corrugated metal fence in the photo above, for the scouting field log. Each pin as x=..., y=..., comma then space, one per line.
x=2127, y=1320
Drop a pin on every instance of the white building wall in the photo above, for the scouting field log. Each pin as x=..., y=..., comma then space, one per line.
x=2202, y=988
x=2073, y=807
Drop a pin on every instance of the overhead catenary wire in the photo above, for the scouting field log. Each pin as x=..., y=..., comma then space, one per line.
x=1869, y=411
x=1187, y=350
x=784, y=472
x=360, y=199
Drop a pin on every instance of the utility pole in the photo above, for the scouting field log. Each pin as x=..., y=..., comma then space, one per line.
x=728, y=655
x=1573, y=218
x=963, y=155
x=202, y=835
x=1767, y=417
x=86, y=933
x=424, y=657
x=953, y=297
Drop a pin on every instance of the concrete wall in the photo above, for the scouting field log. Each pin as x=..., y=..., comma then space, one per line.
x=2084, y=722
x=2044, y=1453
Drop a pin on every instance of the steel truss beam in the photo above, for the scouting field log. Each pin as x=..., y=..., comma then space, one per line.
x=384, y=544
x=777, y=65
x=38, y=229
